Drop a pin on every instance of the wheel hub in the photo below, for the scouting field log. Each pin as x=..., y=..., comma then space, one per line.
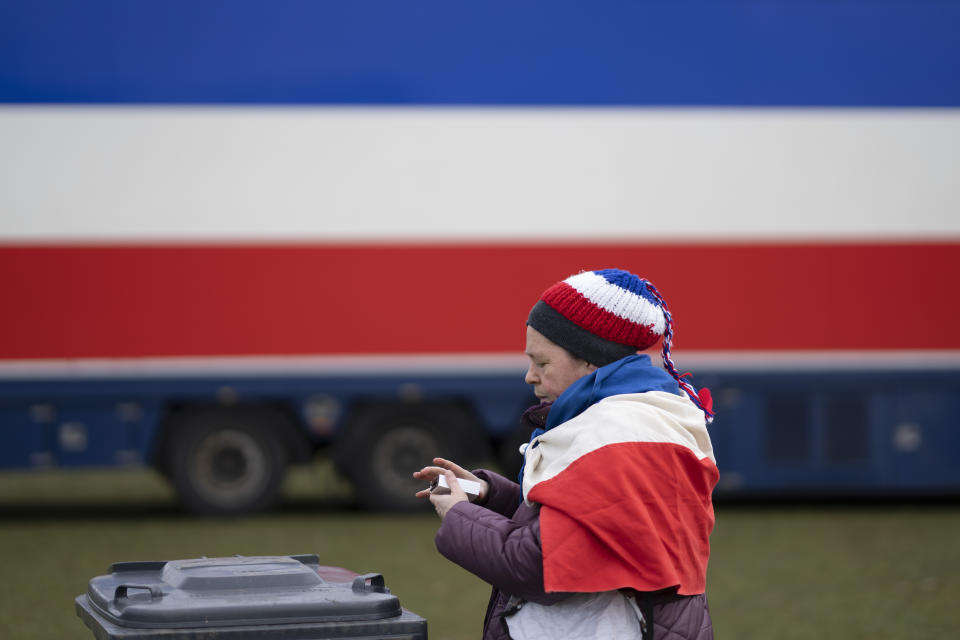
x=229, y=467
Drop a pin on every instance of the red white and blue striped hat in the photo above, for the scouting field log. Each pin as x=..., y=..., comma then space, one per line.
x=603, y=316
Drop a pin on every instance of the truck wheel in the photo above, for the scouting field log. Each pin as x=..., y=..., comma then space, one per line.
x=384, y=446
x=226, y=462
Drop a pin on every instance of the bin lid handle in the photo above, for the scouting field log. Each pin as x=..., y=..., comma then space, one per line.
x=121, y=591
x=377, y=584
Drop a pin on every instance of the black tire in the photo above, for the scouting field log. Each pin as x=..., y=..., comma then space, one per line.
x=383, y=446
x=226, y=461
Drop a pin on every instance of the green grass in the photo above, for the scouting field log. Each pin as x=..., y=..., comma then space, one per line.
x=776, y=572
x=865, y=572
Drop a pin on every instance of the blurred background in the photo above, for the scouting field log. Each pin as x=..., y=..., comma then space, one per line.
x=260, y=261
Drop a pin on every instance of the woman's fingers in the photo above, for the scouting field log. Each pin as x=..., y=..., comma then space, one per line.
x=443, y=502
x=427, y=474
x=458, y=471
x=455, y=489
x=443, y=466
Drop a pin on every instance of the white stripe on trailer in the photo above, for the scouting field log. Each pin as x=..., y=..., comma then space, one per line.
x=101, y=173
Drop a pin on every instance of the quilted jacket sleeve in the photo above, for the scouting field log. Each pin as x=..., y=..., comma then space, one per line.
x=505, y=552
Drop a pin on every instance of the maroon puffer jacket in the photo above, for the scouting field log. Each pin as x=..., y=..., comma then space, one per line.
x=499, y=542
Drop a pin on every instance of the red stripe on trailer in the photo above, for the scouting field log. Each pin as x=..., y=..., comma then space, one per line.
x=104, y=301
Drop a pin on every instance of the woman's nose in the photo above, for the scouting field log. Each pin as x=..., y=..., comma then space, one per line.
x=530, y=378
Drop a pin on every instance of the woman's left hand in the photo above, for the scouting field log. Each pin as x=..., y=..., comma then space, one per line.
x=451, y=471
x=442, y=502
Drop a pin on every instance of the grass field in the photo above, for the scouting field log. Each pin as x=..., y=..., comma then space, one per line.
x=777, y=571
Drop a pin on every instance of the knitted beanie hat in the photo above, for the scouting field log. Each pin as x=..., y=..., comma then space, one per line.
x=603, y=316
x=600, y=316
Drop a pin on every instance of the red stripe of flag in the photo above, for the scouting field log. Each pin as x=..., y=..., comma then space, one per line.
x=628, y=515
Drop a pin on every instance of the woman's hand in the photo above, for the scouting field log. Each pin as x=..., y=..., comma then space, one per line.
x=452, y=471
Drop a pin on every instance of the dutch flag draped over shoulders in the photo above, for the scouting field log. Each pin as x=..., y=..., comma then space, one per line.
x=624, y=475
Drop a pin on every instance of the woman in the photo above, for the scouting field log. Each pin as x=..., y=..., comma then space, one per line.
x=607, y=536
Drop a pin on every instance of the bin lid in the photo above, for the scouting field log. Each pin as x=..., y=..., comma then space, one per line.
x=252, y=590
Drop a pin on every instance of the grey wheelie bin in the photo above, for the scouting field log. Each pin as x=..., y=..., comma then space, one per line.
x=243, y=598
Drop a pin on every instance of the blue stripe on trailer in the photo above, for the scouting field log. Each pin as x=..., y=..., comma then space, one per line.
x=899, y=53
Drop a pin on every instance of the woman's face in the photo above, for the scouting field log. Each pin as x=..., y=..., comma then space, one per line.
x=552, y=369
